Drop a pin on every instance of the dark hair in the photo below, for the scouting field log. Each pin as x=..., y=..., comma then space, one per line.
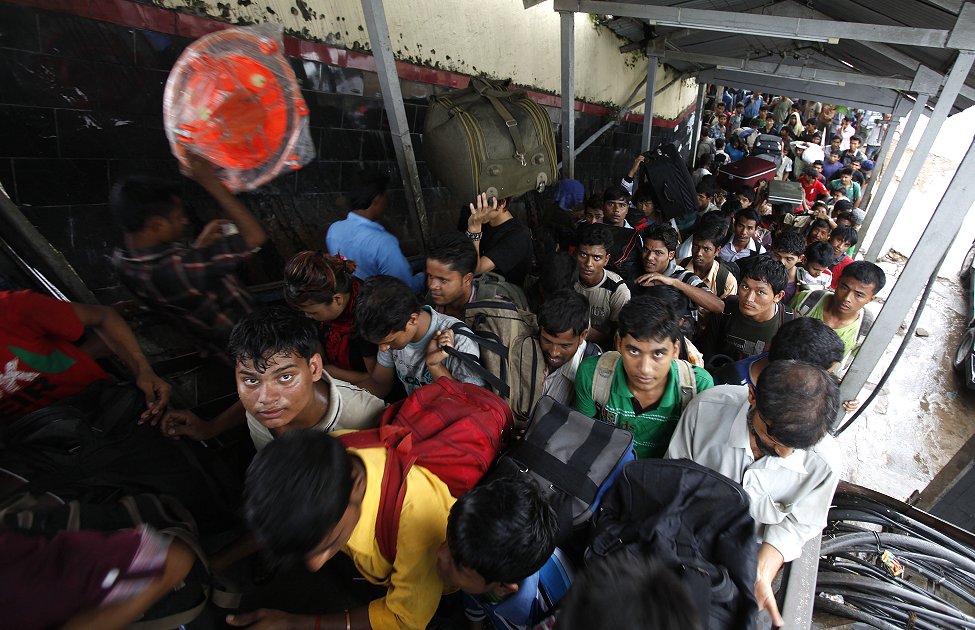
x=296, y=491
x=594, y=234
x=789, y=241
x=767, y=269
x=845, y=232
x=819, y=253
x=816, y=223
x=504, y=530
x=646, y=318
x=628, y=590
x=557, y=272
x=644, y=193
x=664, y=233
x=594, y=200
x=748, y=214
x=719, y=143
x=846, y=171
x=368, y=186
x=136, y=198
x=315, y=278
x=809, y=340
x=454, y=250
x=565, y=310
x=798, y=401
x=615, y=193
x=713, y=228
x=680, y=303
x=867, y=273
x=385, y=305
x=263, y=333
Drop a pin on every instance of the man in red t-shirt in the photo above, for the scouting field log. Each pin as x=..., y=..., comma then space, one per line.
x=40, y=365
x=812, y=188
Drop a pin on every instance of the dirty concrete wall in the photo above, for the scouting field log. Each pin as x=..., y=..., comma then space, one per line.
x=80, y=104
x=499, y=38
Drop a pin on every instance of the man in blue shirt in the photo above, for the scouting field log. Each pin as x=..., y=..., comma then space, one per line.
x=362, y=239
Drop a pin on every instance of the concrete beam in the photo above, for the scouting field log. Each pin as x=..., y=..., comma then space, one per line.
x=852, y=95
x=957, y=76
x=804, y=73
x=568, y=94
x=648, y=104
x=382, y=51
x=830, y=31
x=935, y=240
x=890, y=169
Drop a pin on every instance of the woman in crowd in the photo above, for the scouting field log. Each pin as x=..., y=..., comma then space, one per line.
x=323, y=288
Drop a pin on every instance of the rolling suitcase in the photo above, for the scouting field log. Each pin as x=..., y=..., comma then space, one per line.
x=768, y=143
x=785, y=192
x=485, y=138
x=745, y=172
x=673, y=187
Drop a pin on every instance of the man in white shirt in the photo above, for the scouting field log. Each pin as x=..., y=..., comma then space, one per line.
x=563, y=324
x=774, y=441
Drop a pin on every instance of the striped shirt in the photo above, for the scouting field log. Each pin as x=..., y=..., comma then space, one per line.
x=198, y=285
x=687, y=277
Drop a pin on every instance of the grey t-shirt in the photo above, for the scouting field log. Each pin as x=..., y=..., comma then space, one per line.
x=410, y=362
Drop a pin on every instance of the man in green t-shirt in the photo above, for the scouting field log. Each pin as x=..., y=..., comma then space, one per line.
x=843, y=310
x=643, y=386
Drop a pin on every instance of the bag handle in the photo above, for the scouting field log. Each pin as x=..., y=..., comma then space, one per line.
x=490, y=92
x=472, y=363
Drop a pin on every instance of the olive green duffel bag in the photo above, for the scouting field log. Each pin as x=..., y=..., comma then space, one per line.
x=485, y=138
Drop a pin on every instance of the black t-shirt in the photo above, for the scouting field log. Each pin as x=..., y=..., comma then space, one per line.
x=509, y=246
x=737, y=337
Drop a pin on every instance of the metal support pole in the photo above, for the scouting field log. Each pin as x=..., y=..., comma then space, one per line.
x=718, y=97
x=382, y=51
x=886, y=141
x=699, y=116
x=936, y=239
x=957, y=76
x=568, y=94
x=887, y=175
x=648, y=103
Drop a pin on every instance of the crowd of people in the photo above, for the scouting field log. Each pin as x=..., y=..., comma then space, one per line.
x=716, y=334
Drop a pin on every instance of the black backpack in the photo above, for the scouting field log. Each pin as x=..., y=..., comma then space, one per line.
x=89, y=448
x=696, y=522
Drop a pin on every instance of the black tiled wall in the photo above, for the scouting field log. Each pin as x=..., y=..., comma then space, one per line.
x=81, y=105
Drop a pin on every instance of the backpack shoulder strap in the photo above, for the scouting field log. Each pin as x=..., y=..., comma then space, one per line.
x=808, y=303
x=866, y=323
x=391, y=495
x=722, y=278
x=602, y=378
x=687, y=381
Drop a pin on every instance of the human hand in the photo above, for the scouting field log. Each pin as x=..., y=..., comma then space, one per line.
x=482, y=213
x=640, y=159
x=650, y=279
x=157, y=393
x=263, y=619
x=199, y=169
x=851, y=405
x=183, y=422
x=765, y=597
x=211, y=232
x=439, y=341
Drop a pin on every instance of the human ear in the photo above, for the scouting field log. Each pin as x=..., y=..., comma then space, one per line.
x=317, y=366
x=503, y=590
x=778, y=296
x=467, y=279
